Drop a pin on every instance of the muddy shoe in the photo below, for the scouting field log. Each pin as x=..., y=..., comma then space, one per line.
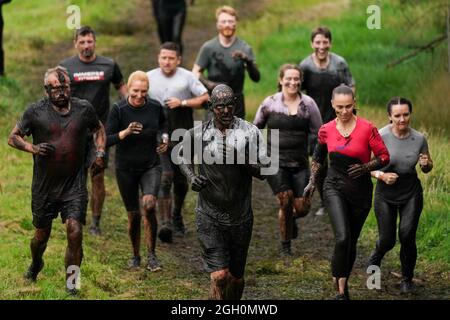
x=286, y=248
x=72, y=292
x=165, y=234
x=407, y=286
x=95, y=230
x=374, y=260
x=178, y=226
x=134, y=262
x=153, y=263
x=33, y=271
x=341, y=296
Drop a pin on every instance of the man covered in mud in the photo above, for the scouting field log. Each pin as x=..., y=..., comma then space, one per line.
x=226, y=57
x=231, y=151
x=59, y=125
x=91, y=76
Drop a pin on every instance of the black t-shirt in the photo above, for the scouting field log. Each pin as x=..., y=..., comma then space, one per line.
x=136, y=151
x=59, y=176
x=91, y=81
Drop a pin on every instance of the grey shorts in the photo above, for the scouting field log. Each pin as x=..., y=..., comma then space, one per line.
x=224, y=246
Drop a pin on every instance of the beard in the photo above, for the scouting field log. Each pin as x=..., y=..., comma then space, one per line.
x=228, y=32
x=87, y=53
x=61, y=101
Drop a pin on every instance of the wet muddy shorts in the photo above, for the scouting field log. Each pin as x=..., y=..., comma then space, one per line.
x=129, y=182
x=294, y=179
x=224, y=246
x=45, y=211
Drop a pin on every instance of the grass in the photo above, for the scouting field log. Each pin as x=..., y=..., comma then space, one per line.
x=278, y=30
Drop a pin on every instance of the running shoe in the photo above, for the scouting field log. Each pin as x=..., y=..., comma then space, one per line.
x=33, y=271
x=153, y=263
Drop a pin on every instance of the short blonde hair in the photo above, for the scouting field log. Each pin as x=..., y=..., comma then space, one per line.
x=226, y=9
x=138, y=76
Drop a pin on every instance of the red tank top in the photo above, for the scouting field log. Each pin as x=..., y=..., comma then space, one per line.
x=363, y=140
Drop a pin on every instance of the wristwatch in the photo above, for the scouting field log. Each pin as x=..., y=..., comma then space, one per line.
x=165, y=138
x=184, y=103
x=100, y=154
x=378, y=174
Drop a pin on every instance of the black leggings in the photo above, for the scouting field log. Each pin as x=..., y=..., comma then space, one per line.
x=170, y=23
x=386, y=214
x=348, y=203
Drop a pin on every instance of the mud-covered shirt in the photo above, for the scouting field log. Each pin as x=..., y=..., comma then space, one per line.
x=91, y=81
x=228, y=193
x=60, y=175
x=222, y=68
x=293, y=129
x=136, y=151
x=404, y=155
x=319, y=83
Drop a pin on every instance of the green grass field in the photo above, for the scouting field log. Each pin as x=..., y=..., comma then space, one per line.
x=36, y=38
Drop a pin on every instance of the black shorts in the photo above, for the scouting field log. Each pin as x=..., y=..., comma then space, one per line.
x=224, y=246
x=91, y=151
x=45, y=211
x=294, y=179
x=130, y=180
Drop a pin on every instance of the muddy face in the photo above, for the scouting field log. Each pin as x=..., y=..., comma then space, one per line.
x=58, y=90
x=321, y=45
x=85, y=46
x=224, y=114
